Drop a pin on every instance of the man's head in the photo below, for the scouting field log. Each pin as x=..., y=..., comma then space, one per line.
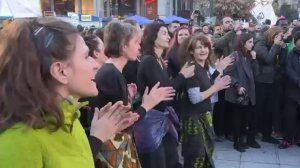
x=258, y=28
x=252, y=27
x=283, y=23
x=218, y=29
x=227, y=23
x=173, y=26
x=296, y=22
x=268, y=22
x=297, y=40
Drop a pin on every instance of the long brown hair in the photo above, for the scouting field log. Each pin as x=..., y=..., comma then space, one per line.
x=174, y=41
x=189, y=46
x=27, y=90
x=271, y=33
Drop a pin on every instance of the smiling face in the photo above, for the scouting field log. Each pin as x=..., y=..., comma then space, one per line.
x=80, y=71
x=163, y=38
x=249, y=44
x=283, y=24
x=182, y=35
x=200, y=52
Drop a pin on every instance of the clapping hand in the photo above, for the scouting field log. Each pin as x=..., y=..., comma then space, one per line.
x=111, y=119
x=222, y=83
x=156, y=95
x=224, y=62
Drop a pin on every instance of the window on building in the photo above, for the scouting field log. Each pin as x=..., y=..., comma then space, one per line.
x=120, y=7
x=62, y=7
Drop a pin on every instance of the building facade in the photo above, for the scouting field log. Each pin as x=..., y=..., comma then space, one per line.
x=149, y=8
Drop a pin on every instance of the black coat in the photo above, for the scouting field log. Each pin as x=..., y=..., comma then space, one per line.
x=271, y=61
x=241, y=73
x=174, y=62
x=226, y=43
x=293, y=75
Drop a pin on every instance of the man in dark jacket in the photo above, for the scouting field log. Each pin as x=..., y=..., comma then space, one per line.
x=292, y=94
x=227, y=43
x=224, y=47
x=227, y=25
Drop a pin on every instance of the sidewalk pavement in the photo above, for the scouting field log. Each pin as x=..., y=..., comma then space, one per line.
x=269, y=156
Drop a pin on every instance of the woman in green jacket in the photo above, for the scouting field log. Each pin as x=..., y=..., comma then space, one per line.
x=44, y=69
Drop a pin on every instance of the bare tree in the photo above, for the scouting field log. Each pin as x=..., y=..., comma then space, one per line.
x=235, y=8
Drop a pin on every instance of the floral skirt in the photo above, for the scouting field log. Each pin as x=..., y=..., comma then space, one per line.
x=119, y=152
x=198, y=141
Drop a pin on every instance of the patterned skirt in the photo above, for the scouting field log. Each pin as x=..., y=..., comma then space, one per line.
x=119, y=152
x=198, y=141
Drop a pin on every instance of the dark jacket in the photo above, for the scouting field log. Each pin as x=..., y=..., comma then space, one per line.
x=174, y=62
x=130, y=71
x=226, y=43
x=293, y=75
x=242, y=75
x=200, y=79
x=271, y=59
x=150, y=72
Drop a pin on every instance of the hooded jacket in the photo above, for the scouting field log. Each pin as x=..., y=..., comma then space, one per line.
x=68, y=147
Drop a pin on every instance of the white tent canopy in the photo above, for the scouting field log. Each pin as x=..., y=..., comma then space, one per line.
x=20, y=8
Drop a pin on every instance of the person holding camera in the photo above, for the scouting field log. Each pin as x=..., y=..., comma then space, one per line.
x=271, y=56
x=242, y=92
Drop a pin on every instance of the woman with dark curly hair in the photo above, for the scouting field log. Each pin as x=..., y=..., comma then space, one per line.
x=155, y=135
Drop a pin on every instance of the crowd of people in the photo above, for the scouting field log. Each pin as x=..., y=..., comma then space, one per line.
x=127, y=96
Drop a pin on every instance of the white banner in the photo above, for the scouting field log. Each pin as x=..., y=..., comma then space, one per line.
x=21, y=8
x=263, y=12
x=4, y=9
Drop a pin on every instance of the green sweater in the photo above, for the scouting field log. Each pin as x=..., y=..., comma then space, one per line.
x=68, y=147
x=290, y=46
